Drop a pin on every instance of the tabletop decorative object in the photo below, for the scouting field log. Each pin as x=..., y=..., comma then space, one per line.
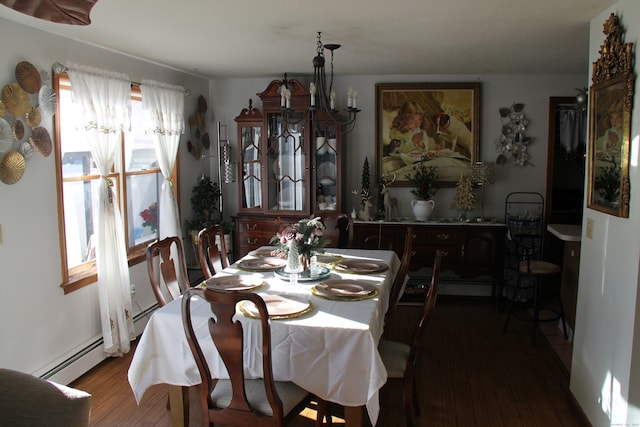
x=424, y=182
x=297, y=243
x=464, y=200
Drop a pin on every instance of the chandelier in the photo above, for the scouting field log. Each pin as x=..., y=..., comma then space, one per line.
x=322, y=110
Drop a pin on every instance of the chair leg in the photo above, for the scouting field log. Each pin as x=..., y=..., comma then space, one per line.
x=321, y=413
x=564, y=324
x=536, y=309
x=516, y=289
x=409, y=397
x=416, y=405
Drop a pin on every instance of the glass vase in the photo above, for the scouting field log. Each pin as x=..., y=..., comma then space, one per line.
x=293, y=266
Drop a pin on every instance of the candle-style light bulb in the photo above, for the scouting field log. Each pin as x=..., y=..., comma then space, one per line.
x=332, y=99
x=312, y=91
x=350, y=97
x=353, y=98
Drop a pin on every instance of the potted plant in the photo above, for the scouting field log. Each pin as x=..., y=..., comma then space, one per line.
x=205, y=198
x=424, y=181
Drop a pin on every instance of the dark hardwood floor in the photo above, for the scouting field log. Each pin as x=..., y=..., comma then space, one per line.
x=470, y=374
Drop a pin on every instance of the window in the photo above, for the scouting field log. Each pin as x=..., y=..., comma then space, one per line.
x=136, y=177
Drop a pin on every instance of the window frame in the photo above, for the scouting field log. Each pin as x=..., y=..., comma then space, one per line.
x=77, y=277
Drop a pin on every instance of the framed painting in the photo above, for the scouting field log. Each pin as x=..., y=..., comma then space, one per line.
x=435, y=124
x=610, y=104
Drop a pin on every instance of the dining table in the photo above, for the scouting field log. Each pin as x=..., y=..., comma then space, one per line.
x=327, y=343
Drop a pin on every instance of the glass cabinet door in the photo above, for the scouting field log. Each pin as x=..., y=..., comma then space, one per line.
x=326, y=169
x=286, y=169
x=250, y=161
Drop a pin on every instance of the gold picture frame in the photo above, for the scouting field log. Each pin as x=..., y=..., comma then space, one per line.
x=610, y=106
x=441, y=129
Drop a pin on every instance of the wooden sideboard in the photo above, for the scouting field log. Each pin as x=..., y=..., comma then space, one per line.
x=469, y=249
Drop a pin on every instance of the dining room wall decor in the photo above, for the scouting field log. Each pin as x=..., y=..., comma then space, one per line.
x=22, y=106
x=512, y=145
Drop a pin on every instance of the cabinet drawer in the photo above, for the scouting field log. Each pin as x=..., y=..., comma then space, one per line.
x=423, y=256
x=434, y=237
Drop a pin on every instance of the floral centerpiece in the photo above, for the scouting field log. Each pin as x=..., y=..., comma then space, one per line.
x=150, y=217
x=300, y=241
x=423, y=180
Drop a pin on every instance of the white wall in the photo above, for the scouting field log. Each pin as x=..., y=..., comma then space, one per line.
x=605, y=376
x=39, y=325
x=229, y=97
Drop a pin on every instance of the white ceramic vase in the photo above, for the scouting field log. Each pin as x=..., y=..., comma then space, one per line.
x=422, y=209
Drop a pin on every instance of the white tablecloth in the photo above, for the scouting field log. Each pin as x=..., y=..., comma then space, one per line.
x=331, y=352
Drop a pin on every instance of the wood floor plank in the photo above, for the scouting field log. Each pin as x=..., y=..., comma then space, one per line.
x=470, y=374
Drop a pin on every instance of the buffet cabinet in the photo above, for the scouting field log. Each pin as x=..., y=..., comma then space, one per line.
x=468, y=249
x=289, y=162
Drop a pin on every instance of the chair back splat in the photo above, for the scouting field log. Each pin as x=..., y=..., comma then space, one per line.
x=169, y=254
x=212, y=259
x=401, y=277
x=339, y=231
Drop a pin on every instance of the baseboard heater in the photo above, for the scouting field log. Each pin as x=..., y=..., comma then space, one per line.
x=64, y=371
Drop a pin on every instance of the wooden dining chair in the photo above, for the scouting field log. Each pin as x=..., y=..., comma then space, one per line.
x=240, y=401
x=401, y=278
x=400, y=358
x=172, y=279
x=337, y=230
x=212, y=259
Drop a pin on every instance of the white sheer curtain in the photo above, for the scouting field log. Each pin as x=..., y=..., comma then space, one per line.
x=163, y=105
x=105, y=98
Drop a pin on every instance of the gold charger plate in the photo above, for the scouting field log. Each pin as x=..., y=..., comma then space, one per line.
x=261, y=264
x=233, y=283
x=360, y=266
x=328, y=258
x=346, y=290
x=262, y=253
x=278, y=307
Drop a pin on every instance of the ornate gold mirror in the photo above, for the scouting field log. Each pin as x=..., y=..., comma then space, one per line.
x=610, y=104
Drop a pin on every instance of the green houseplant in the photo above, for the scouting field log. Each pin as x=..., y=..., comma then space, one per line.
x=424, y=181
x=205, y=198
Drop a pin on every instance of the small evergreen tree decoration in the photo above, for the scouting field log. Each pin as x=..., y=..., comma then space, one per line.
x=365, y=185
x=465, y=199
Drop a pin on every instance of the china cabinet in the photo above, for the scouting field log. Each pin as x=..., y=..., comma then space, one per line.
x=289, y=169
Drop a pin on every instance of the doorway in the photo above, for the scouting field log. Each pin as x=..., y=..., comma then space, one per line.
x=566, y=154
x=566, y=160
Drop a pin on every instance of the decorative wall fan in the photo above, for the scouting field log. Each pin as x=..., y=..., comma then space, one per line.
x=72, y=12
x=25, y=100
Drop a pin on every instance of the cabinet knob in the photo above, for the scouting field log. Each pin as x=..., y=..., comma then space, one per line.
x=251, y=226
x=252, y=241
x=443, y=236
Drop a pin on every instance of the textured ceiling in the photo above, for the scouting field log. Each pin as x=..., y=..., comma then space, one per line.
x=249, y=38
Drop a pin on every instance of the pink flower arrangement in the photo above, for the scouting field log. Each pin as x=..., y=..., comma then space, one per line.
x=306, y=233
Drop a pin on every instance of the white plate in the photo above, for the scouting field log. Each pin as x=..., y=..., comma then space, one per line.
x=327, y=171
